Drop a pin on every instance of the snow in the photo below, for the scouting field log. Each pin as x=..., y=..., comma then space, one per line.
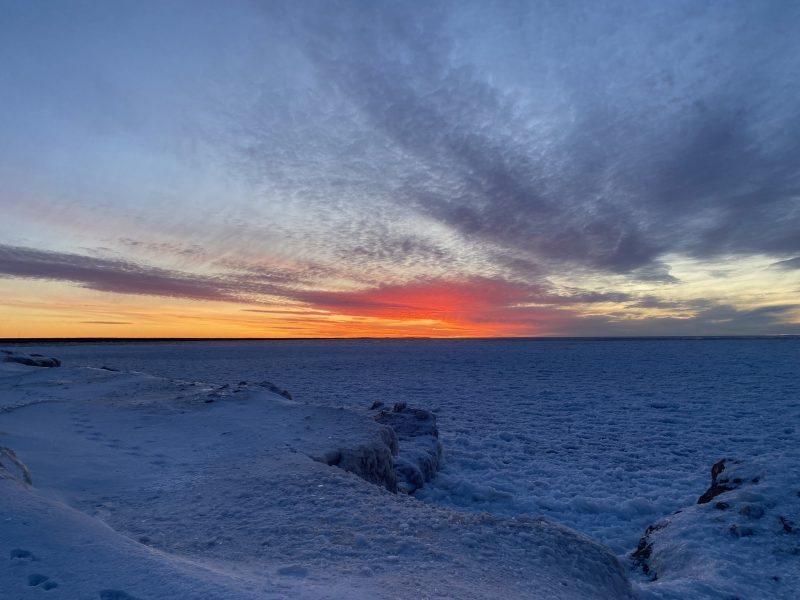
x=744, y=542
x=151, y=487
x=607, y=437
x=418, y=436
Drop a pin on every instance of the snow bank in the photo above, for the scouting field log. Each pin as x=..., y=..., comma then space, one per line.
x=149, y=488
x=741, y=539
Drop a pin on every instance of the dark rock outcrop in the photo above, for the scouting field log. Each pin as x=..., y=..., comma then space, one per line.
x=641, y=556
x=742, y=522
x=719, y=484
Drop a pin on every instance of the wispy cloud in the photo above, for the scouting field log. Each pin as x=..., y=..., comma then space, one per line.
x=115, y=276
x=526, y=167
x=472, y=306
x=576, y=160
x=791, y=263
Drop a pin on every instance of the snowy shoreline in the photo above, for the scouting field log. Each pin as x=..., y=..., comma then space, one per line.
x=120, y=485
x=143, y=487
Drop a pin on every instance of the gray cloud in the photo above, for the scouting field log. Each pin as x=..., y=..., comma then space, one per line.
x=598, y=135
x=482, y=301
x=117, y=276
x=379, y=147
x=704, y=319
x=789, y=264
x=719, y=319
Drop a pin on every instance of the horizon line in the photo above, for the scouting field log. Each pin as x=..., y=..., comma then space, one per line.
x=111, y=340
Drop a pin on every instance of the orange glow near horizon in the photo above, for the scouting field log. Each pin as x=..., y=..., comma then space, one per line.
x=427, y=309
x=470, y=307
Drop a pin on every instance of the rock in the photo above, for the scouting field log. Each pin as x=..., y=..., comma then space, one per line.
x=719, y=484
x=743, y=529
x=641, y=556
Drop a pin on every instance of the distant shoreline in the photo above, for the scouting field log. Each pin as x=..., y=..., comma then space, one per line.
x=126, y=340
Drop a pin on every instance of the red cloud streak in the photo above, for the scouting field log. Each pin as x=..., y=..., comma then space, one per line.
x=478, y=306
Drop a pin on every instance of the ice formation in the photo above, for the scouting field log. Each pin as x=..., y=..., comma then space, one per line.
x=741, y=539
x=144, y=487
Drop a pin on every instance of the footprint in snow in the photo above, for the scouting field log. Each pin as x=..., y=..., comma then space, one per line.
x=18, y=555
x=43, y=581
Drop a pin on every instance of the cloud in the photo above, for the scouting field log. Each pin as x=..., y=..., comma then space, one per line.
x=477, y=306
x=588, y=136
x=465, y=161
x=720, y=319
x=117, y=276
x=789, y=264
x=432, y=299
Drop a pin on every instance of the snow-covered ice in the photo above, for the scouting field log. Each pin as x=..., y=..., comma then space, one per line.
x=606, y=437
x=122, y=485
x=741, y=539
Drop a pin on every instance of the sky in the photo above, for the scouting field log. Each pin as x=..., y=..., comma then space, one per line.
x=446, y=169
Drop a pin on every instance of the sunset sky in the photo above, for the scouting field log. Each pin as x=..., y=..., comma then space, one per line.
x=305, y=169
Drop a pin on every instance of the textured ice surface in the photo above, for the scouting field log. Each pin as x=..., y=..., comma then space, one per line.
x=742, y=540
x=604, y=436
x=144, y=487
x=607, y=437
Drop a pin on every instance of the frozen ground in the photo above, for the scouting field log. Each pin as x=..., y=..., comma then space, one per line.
x=607, y=437
x=123, y=486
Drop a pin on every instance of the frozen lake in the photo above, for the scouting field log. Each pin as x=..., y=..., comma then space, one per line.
x=605, y=436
